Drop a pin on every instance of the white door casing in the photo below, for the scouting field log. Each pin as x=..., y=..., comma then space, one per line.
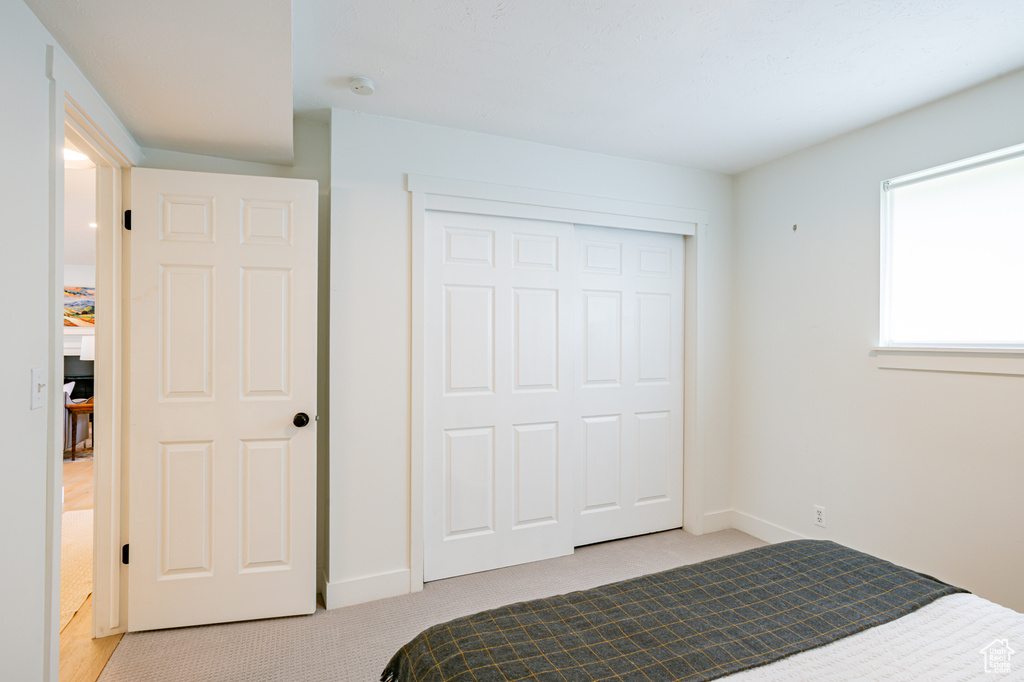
x=222, y=485
x=499, y=415
x=629, y=383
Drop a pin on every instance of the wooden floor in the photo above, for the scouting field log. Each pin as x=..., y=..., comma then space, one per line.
x=77, y=485
x=82, y=658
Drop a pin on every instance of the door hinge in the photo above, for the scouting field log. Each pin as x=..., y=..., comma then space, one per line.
x=128, y=219
x=124, y=554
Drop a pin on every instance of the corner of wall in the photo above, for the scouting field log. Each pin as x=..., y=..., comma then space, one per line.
x=751, y=525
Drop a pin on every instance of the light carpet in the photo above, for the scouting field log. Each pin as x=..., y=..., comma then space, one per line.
x=354, y=644
x=75, y=562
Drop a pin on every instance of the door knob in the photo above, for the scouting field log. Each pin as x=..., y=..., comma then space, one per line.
x=301, y=419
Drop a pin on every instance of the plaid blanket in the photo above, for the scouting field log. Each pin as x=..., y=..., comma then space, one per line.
x=696, y=622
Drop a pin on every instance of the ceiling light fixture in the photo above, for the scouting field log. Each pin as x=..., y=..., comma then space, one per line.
x=361, y=85
x=92, y=224
x=72, y=155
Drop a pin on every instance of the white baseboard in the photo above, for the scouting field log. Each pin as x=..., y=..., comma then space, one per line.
x=366, y=588
x=763, y=530
x=395, y=583
x=720, y=520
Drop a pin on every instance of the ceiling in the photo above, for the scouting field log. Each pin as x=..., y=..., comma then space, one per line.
x=198, y=76
x=709, y=84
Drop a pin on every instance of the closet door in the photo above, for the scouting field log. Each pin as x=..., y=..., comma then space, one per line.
x=498, y=408
x=629, y=388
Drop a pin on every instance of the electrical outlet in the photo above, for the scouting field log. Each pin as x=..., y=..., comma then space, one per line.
x=819, y=516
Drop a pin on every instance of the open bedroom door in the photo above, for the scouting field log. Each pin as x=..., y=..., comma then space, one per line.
x=222, y=436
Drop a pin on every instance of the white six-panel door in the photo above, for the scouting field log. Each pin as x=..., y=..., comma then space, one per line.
x=553, y=388
x=222, y=484
x=499, y=413
x=629, y=383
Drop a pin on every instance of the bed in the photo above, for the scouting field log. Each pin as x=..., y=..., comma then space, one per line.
x=807, y=609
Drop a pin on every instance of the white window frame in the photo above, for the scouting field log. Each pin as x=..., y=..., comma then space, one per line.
x=972, y=359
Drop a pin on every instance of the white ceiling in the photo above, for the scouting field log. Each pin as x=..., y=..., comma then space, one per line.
x=204, y=76
x=721, y=85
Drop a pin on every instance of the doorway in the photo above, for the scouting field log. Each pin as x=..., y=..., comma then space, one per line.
x=79, y=326
x=91, y=192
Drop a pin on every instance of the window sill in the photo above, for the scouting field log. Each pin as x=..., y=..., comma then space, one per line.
x=1006, y=362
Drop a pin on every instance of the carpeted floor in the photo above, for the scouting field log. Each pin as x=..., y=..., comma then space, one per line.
x=355, y=643
x=75, y=562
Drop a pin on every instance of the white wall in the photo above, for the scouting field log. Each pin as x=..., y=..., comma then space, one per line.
x=79, y=275
x=312, y=146
x=79, y=211
x=25, y=184
x=922, y=468
x=370, y=312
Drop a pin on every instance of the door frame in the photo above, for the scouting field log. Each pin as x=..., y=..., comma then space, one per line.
x=78, y=113
x=467, y=196
x=108, y=381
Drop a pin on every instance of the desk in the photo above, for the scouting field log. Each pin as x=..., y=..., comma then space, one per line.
x=77, y=409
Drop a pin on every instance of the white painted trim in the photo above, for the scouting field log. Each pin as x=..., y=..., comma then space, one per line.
x=484, y=197
x=416, y=399
x=55, y=402
x=77, y=111
x=969, y=163
x=962, y=361
x=763, y=530
x=1009, y=351
x=88, y=110
x=578, y=209
x=694, y=379
x=556, y=214
x=720, y=520
x=109, y=379
x=108, y=406
x=884, y=264
x=366, y=588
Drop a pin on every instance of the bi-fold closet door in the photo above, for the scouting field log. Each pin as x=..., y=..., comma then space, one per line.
x=552, y=388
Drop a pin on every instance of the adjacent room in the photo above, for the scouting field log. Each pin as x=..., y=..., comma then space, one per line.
x=513, y=340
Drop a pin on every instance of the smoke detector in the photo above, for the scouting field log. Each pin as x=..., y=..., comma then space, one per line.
x=361, y=85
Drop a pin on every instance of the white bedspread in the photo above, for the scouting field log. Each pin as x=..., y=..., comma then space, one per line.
x=941, y=642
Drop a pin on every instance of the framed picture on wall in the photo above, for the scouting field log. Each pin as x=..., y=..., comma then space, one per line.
x=79, y=318
x=79, y=307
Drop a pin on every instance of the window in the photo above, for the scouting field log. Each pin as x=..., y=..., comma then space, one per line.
x=953, y=255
